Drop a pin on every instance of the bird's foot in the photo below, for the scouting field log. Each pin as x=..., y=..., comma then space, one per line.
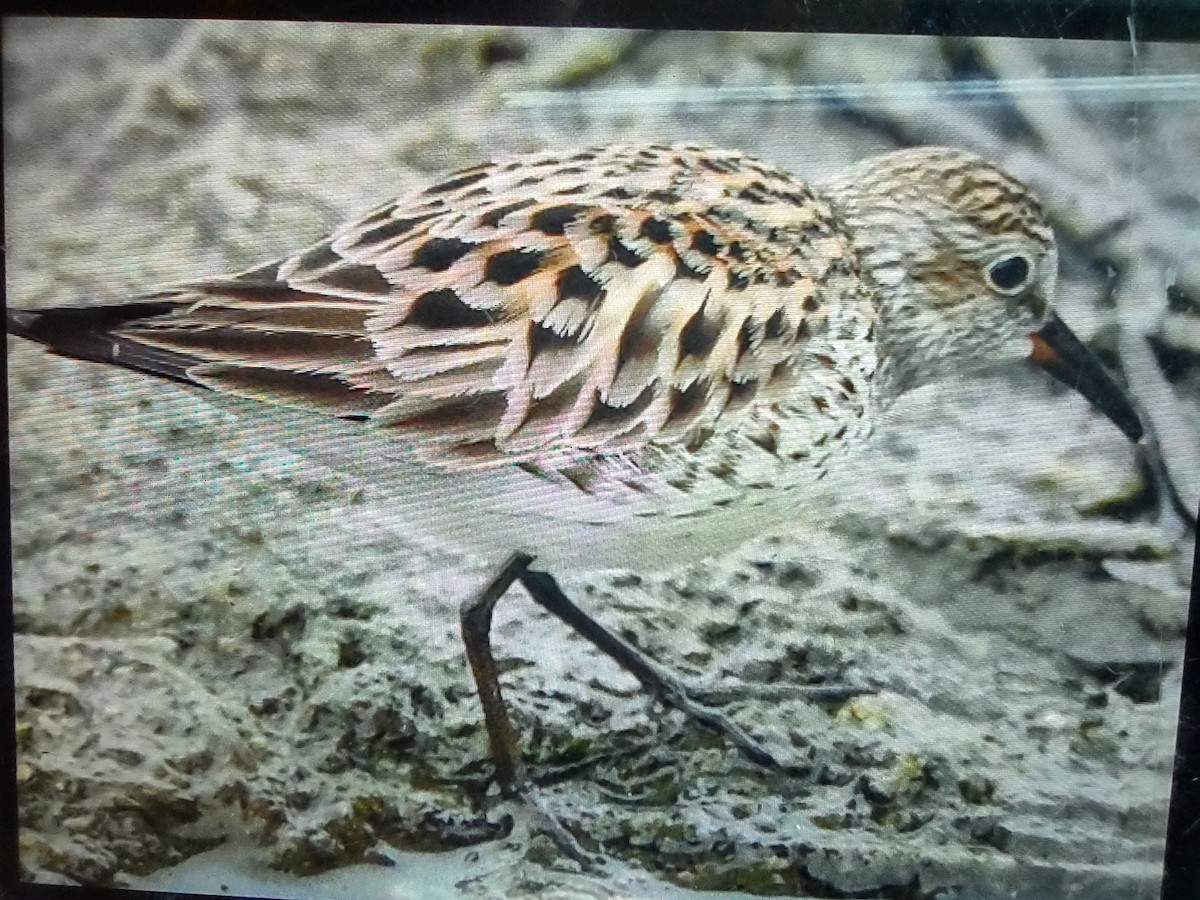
x=530, y=815
x=699, y=702
x=670, y=690
x=831, y=694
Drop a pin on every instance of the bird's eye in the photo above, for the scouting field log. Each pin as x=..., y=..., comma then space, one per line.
x=1010, y=274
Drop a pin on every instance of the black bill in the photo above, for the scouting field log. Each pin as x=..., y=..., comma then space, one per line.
x=1059, y=352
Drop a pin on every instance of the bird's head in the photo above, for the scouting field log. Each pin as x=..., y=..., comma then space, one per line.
x=965, y=265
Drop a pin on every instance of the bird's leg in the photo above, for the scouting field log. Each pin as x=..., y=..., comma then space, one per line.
x=475, y=617
x=477, y=622
x=695, y=702
x=664, y=685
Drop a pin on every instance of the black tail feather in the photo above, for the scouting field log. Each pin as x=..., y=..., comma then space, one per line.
x=93, y=333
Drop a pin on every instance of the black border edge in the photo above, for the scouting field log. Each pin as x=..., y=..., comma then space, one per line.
x=9, y=851
x=1112, y=20
x=9, y=858
x=1181, y=861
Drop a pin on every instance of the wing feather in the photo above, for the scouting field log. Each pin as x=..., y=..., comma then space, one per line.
x=537, y=309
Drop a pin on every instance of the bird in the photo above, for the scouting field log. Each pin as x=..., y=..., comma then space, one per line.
x=613, y=355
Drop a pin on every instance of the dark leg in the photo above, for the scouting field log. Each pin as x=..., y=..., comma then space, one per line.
x=475, y=617
x=659, y=681
x=476, y=620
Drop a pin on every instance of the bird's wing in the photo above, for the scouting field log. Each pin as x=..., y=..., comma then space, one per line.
x=546, y=309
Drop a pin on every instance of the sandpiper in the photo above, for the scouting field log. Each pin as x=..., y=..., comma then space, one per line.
x=612, y=355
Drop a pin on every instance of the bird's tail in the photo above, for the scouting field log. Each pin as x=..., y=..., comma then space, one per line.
x=94, y=333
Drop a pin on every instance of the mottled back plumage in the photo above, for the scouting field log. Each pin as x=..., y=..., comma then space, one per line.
x=549, y=310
